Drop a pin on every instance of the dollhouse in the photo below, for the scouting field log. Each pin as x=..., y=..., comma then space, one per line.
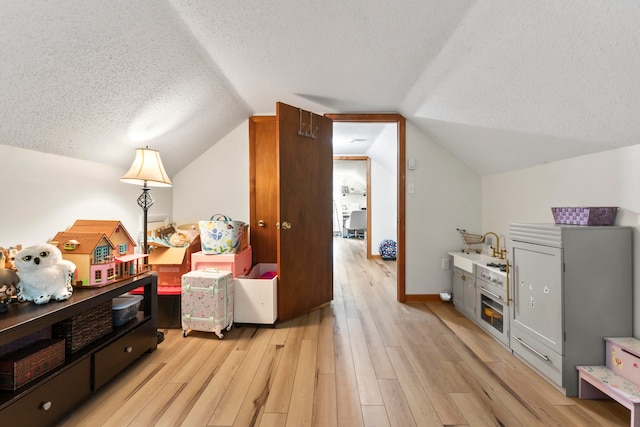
x=102, y=250
x=114, y=230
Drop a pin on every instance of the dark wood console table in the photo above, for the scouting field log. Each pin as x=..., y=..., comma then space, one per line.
x=49, y=398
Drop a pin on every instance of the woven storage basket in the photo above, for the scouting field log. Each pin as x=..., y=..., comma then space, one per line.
x=22, y=342
x=84, y=328
x=585, y=215
x=28, y=363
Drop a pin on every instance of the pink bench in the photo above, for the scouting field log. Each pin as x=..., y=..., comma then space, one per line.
x=599, y=382
x=618, y=380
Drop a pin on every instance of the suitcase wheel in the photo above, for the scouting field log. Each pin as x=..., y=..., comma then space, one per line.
x=184, y=333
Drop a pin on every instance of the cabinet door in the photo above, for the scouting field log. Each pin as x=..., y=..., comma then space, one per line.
x=458, y=288
x=470, y=296
x=537, y=292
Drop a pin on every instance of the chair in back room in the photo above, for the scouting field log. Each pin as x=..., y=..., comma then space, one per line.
x=357, y=224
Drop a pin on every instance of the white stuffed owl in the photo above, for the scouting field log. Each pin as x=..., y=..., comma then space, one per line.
x=43, y=274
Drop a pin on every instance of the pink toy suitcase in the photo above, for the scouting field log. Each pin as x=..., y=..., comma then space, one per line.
x=207, y=301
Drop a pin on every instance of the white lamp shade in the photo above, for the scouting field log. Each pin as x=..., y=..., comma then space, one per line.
x=147, y=169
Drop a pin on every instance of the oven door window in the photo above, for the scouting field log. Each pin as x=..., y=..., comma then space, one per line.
x=492, y=312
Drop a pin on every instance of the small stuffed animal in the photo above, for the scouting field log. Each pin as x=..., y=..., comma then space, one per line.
x=8, y=256
x=8, y=284
x=43, y=274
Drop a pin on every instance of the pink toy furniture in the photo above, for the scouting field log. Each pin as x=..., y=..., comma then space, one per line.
x=239, y=264
x=619, y=379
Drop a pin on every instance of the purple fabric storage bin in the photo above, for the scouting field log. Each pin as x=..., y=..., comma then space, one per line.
x=585, y=216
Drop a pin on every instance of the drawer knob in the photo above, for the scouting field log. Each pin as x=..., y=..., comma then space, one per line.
x=128, y=349
x=45, y=406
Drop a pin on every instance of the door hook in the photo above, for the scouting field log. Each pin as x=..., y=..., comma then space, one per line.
x=301, y=125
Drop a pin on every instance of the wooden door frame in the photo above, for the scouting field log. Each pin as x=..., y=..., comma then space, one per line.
x=368, y=195
x=402, y=178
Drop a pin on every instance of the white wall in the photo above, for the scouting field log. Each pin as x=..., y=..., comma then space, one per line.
x=384, y=188
x=611, y=178
x=217, y=182
x=44, y=194
x=447, y=196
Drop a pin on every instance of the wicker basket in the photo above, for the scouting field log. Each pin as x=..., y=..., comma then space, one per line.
x=25, y=341
x=585, y=216
x=84, y=328
x=29, y=363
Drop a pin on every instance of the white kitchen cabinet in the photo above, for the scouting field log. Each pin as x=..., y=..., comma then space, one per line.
x=458, y=288
x=571, y=288
x=470, y=297
x=464, y=292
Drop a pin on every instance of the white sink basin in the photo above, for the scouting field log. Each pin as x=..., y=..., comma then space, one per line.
x=467, y=262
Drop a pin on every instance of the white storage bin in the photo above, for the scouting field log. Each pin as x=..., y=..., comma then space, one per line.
x=256, y=300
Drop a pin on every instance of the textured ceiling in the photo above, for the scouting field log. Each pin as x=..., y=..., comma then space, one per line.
x=502, y=84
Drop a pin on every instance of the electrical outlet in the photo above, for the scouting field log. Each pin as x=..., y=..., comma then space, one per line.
x=445, y=263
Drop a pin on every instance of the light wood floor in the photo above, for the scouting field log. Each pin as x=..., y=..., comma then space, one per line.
x=363, y=360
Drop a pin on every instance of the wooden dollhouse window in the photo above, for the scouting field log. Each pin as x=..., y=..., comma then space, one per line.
x=111, y=274
x=71, y=245
x=101, y=253
x=98, y=275
x=122, y=248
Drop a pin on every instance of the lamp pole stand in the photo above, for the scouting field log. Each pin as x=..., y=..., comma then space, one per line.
x=145, y=201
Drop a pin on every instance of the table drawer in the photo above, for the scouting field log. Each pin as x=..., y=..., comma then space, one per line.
x=118, y=355
x=53, y=399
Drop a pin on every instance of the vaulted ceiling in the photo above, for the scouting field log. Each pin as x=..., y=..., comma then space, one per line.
x=502, y=84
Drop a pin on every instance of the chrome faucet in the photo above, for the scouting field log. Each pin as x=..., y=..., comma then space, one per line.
x=497, y=253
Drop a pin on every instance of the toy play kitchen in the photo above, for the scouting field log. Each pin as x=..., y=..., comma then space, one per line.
x=480, y=285
x=563, y=289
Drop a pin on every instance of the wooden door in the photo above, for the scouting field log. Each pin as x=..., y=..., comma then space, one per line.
x=291, y=173
x=263, y=187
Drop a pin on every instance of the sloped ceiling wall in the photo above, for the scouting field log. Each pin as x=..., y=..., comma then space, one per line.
x=502, y=84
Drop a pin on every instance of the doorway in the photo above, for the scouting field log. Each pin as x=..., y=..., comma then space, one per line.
x=400, y=183
x=351, y=192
